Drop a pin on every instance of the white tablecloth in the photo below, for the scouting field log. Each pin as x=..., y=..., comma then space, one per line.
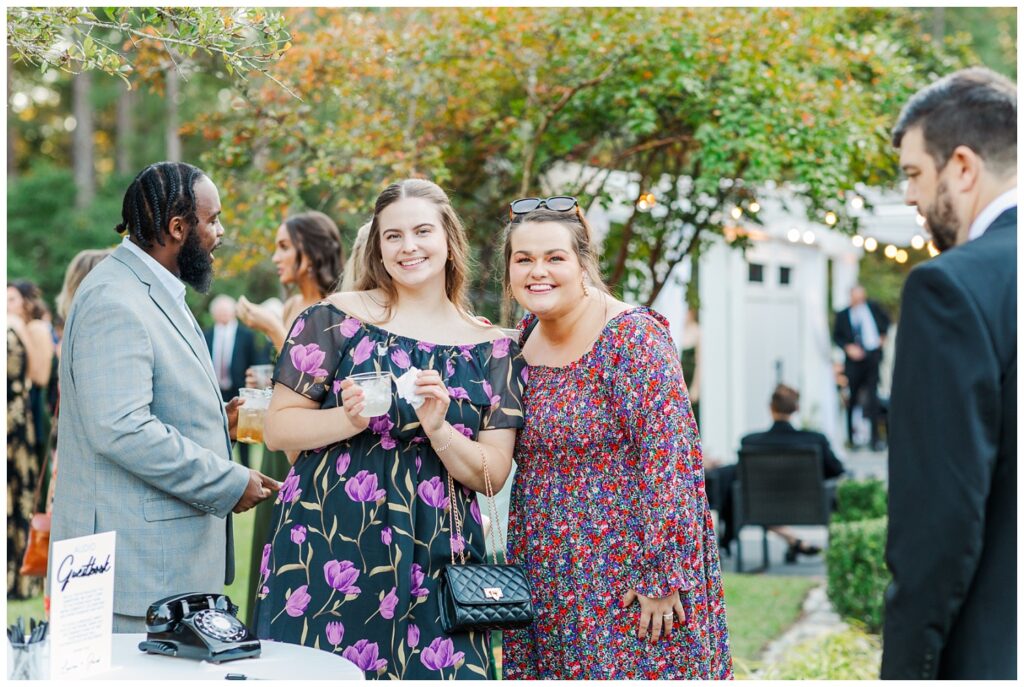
x=278, y=661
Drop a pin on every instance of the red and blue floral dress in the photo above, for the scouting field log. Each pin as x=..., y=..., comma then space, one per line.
x=360, y=529
x=609, y=496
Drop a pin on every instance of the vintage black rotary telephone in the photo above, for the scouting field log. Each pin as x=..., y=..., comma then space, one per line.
x=199, y=626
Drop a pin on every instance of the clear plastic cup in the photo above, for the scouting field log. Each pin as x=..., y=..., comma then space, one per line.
x=252, y=415
x=264, y=375
x=376, y=387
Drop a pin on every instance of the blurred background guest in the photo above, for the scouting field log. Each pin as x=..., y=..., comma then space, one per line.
x=42, y=361
x=29, y=349
x=234, y=348
x=860, y=331
x=354, y=266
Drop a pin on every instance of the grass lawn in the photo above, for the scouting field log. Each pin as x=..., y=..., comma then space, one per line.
x=759, y=608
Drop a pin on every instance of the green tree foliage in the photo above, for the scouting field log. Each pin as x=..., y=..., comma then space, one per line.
x=44, y=231
x=700, y=105
x=75, y=39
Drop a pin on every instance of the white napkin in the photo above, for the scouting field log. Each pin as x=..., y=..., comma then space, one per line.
x=406, y=385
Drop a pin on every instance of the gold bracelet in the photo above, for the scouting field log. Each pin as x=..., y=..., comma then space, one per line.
x=447, y=444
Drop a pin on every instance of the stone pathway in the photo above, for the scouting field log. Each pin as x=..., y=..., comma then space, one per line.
x=817, y=620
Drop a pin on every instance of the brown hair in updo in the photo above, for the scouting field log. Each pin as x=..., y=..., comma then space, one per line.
x=582, y=242
x=316, y=236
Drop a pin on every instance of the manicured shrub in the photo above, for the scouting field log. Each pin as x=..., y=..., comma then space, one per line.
x=861, y=500
x=857, y=574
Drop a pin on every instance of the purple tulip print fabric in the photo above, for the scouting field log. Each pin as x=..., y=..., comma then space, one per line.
x=360, y=529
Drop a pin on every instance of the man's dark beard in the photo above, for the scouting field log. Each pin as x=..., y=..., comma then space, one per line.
x=195, y=265
x=943, y=224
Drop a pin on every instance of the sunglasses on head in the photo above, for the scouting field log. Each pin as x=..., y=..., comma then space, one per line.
x=556, y=203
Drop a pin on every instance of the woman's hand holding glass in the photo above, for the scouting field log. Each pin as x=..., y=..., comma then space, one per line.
x=256, y=316
x=353, y=400
x=435, y=401
x=656, y=614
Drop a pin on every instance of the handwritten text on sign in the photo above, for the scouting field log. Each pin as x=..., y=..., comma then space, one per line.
x=81, y=606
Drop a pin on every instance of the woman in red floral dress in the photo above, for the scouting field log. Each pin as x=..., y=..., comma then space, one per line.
x=608, y=510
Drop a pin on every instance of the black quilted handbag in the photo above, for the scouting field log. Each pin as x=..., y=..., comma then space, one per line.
x=482, y=596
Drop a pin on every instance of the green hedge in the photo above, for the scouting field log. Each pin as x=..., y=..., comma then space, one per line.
x=861, y=500
x=857, y=574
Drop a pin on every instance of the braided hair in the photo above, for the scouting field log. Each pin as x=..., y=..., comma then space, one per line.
x=160, y=192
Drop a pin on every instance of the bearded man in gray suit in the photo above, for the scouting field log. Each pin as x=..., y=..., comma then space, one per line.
x=144, y=436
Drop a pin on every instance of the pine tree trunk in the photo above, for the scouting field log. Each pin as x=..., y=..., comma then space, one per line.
x=12, y=165
x=82, y=140
x=125, y=131
x=173, y=137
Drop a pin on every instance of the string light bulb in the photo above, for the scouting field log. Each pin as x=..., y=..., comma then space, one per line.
x=870, y=244
x=917, y=243
x=858, y=240
x=890, y=251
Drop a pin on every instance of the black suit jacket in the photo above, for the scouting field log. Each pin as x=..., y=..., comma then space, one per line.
x=951, y=610
x=842, y=332
x=248, y=351
x=783, y=434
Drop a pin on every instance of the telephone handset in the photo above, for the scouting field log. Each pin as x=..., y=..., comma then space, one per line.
x=199, y=626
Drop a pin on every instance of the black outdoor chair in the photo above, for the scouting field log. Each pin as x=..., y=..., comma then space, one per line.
x=783, y=486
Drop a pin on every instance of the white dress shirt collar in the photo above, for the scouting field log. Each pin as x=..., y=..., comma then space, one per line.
x=170, y=282
x=987, y=216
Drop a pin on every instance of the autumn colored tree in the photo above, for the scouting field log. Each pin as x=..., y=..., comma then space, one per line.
x=699, y=106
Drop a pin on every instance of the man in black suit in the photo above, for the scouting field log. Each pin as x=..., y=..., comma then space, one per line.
x=951, y=611
x=234, y=349
x=782, y=434
x=860, y=331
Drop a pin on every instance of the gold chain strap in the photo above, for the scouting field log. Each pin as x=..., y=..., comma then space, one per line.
x=455, y=519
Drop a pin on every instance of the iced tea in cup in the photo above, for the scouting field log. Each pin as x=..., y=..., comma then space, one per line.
x=376, y=388
x=264, y=375
x=252, y=414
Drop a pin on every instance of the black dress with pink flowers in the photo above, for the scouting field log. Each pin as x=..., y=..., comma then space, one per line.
x=360, y=529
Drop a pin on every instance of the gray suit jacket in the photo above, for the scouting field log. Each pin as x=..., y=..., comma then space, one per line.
x=143, y=438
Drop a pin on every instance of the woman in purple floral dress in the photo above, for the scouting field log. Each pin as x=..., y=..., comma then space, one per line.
x=608, y=510
x=361, y=525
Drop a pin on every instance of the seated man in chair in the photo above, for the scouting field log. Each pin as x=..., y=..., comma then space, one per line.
x=785, y=402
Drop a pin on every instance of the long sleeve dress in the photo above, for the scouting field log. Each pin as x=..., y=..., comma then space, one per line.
x=360, y=528
x=609, y=496
x=22, y=470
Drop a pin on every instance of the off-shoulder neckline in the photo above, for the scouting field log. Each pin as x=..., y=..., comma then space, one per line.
x=397, y=336
x=641, y=309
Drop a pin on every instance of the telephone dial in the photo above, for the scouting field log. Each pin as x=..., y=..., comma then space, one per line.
x=199, y=626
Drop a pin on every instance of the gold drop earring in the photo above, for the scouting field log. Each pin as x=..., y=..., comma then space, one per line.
x=586, y=291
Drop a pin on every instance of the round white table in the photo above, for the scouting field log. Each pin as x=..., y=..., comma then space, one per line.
x=277, y=661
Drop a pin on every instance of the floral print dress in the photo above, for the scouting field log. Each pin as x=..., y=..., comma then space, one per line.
x=609, y=496
x=22, y=470
x=360, y=528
